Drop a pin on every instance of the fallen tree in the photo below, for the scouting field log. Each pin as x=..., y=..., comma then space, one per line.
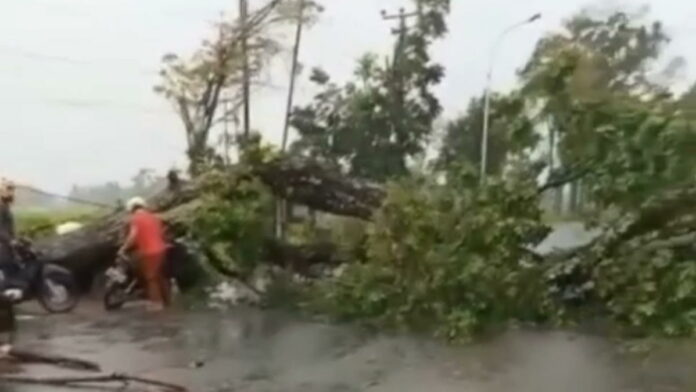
x=305, y=182
x=308, y=183
x=93, y=247
x=89, y=250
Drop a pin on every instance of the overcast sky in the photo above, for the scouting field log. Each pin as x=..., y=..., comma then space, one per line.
x=76, y=76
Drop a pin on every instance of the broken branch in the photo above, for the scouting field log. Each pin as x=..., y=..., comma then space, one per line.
x=81, y=381
x=571, y=176
x=24, y=356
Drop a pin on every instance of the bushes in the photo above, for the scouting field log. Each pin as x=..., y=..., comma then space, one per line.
x=450, y=258
x=233, y=219
x=455, y=259
x=649, y=292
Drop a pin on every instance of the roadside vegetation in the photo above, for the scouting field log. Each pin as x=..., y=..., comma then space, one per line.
x=39, y=222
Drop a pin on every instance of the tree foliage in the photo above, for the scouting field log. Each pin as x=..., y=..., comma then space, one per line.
x=511, y=132
x=634, y=144
x=198, y=84
x=457, y=256
x=454, y=258
x=233, y=219
x=448, y=253
x=595, y=61
x=372, y=126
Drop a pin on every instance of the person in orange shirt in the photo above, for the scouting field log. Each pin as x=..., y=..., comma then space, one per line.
x=146, y=238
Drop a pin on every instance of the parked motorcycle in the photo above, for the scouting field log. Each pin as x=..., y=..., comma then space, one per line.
x=122, y=284
x=31, y=277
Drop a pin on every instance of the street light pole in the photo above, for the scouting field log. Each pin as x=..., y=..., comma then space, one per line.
x=487, y=92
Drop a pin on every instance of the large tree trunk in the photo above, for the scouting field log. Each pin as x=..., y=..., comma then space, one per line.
x=91, y=249
x=309, y=183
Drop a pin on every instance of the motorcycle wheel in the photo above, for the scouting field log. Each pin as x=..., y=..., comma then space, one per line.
x=114, y=297
x=57, y=291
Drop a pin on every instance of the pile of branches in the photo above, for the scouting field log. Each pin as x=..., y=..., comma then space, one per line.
x=92, y=248
x=663, y=222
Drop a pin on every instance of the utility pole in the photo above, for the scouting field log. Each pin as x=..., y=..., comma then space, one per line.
x=226, y=135
x=293, y=73
x=397, y=85
x=282, y=206
x=243, y=15
x=400, y=31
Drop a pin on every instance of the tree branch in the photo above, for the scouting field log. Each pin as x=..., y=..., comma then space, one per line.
x=78, y=382
x=186, y=118
x=24, y=356
x=573, y=176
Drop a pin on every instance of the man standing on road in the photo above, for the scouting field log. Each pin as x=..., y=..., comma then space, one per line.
x=7, y=228
x=8, y=265
x=146, y=238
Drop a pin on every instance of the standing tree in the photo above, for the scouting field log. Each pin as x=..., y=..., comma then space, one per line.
x=511, y=132
x=371, y=127
x=594, y=61
x=195, y=85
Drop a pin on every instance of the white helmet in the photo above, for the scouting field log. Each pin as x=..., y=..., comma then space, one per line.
x=134, y=203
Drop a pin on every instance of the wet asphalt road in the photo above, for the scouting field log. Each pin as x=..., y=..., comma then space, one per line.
x=250, y=350
x=261, y=351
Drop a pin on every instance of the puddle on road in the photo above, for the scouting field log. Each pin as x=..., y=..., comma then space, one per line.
x=248, y=350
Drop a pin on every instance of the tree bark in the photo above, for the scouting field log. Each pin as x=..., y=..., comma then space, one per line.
x=309, y=183
x=93, y=248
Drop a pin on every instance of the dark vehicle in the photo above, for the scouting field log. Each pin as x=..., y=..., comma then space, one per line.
x=123, y=284
x=52, y=285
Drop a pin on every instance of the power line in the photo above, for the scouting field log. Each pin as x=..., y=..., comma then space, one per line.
x=32, y=55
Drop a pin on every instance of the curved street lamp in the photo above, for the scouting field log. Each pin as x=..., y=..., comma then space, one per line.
x=487, y=93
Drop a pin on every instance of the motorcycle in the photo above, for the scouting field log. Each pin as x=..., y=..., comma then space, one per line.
x=31, y=277
x=122, y=284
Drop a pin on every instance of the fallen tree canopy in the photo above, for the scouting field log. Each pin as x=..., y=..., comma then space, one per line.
x=89, y=250
x=92, y=248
